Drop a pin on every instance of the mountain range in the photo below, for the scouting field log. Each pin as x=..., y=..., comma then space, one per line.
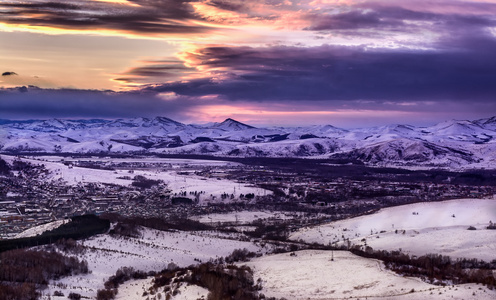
x=455, y=144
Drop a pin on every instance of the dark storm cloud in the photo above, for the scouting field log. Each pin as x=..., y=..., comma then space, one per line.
x=236, y=6
x=350, y=20
x=165, y=70
x=251, y=8
x=33, y=102
x=343, y=73
x=151, y=16
x=396, y=19
x=459, y=65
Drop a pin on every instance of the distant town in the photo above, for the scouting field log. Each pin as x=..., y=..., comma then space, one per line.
x=31, y=194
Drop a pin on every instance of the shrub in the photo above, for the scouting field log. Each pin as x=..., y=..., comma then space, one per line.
x=105, y=294
x=74, y=296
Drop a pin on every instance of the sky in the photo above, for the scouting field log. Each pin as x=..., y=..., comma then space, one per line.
x=348, y=63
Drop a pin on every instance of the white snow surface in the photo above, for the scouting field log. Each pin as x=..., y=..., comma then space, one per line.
x=134, y=289
x=105, y=254
x=311, y=274
x=430, y=227
x=37, y=230
x=191, y=292
x=243, y=217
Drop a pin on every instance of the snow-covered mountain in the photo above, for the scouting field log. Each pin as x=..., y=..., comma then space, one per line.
x=452, y=144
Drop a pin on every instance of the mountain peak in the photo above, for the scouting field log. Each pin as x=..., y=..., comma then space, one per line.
x=490, y=120
x=231, y=124
x=166, y=121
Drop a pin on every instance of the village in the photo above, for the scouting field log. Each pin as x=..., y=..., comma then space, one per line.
x=31, y=195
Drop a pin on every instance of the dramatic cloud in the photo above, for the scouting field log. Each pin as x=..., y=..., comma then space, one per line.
x=155, y=71
x=330, y=73
x=254, y=59
x=145, y=17
x=33, y=102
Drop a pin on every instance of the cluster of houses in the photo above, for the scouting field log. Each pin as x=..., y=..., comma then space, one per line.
x=27, y=201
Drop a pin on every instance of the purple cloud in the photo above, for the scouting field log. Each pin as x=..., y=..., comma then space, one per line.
x=148, y=17
x=330, y=73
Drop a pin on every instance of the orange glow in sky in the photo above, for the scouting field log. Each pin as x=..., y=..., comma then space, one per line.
x=125, y=2
x=280, y=115
x=289, y=61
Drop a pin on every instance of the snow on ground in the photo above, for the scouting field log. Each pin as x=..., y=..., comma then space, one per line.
x=429, y=227
x=176, y=182
x=105, y=254
x=134, y=289
x=311, y=274
x=34, y=231
x=139, y=289
x=243, y=217
x=191, y=292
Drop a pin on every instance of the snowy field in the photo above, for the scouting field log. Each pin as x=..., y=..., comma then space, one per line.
x=175, y=181
x=37, y=230
x=244, y=217
x=421, y=228
x=153, y=252
x=311, y=274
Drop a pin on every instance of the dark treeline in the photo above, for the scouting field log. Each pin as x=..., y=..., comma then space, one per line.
x=24, y=291
x=21, y=271
x=276, y=232
x=172, y=223
x=121, y=275
x=4, y=167
x=434, y=268
x=228, y=283
x=78, y=228
x=224, y=282
x=142, y=182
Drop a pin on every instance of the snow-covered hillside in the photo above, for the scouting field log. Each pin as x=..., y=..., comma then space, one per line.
x=418, y=229
x=154, y=251
x=311, y=274
x=452, y=144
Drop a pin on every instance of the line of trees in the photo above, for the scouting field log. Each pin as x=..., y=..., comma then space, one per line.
x=121, y=275
x=224, y=282
x=21, y=271
x=173, y=222
x=80, y=227
x=434, y=268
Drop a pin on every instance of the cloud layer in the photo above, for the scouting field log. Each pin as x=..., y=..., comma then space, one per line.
x=413, y=57
x=331, y=73
x=144, y=17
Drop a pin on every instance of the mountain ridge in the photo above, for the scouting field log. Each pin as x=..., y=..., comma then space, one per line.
x=451, y=144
